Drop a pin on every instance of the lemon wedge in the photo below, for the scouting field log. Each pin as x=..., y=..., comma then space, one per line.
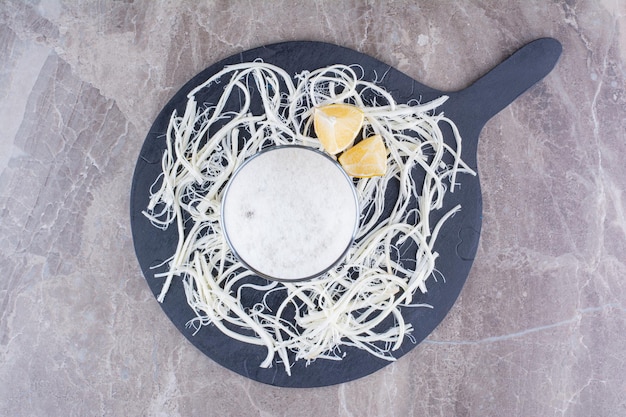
x=337, y=125
x=366, y=159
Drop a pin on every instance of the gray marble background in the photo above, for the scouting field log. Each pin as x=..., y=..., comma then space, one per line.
x=540, y=327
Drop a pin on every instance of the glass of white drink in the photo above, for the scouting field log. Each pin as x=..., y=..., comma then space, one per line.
x=290, y=213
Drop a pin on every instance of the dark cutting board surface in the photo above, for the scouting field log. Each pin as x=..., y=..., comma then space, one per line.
x=457, y=243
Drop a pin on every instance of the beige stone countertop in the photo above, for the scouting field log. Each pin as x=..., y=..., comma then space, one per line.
x=540, y=326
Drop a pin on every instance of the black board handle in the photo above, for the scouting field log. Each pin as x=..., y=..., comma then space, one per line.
x=508, y=80
x=473, y=106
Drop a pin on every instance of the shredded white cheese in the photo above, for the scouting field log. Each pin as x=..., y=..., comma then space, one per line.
x=357, y=303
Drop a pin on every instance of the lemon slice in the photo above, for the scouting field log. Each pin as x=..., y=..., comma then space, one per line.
x=366, y=159
x=336, y=126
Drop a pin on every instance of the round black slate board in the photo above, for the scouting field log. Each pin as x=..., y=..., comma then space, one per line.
x=470, y=109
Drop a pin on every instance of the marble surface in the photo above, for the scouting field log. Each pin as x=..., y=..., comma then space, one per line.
x=540, y=327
